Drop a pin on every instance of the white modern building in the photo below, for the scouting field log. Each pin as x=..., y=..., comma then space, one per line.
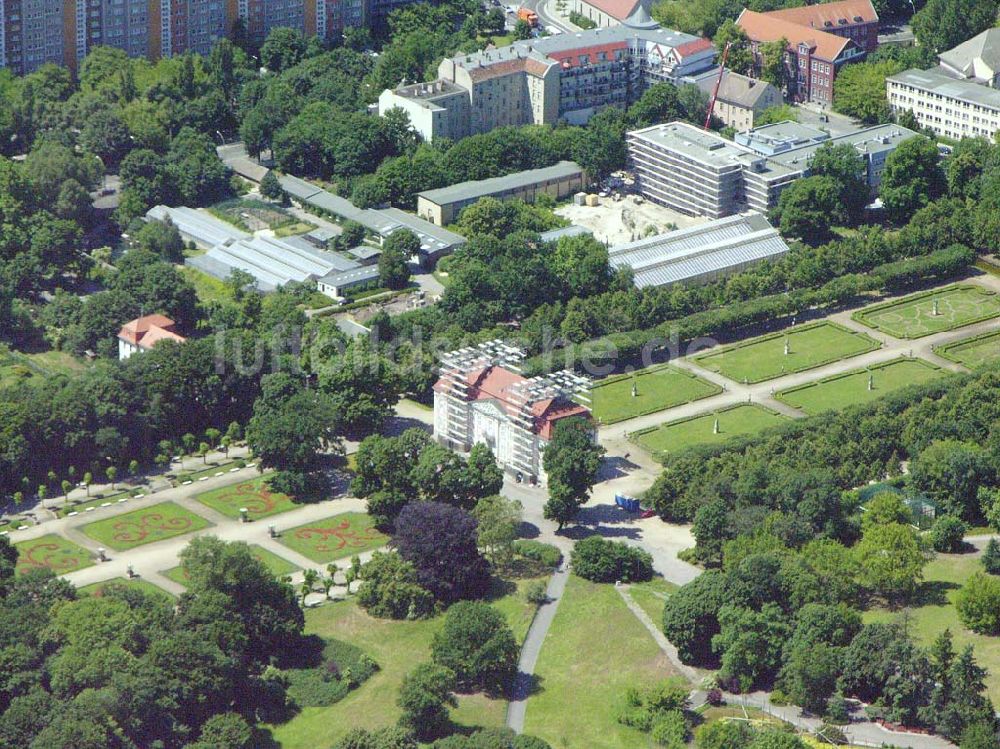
x=700, y=173
x=959, y=98
x=482, y=398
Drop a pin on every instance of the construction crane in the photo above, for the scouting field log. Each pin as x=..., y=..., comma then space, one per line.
x=718, y=82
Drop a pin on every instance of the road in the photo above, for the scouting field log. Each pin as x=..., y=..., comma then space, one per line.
x=548, y=17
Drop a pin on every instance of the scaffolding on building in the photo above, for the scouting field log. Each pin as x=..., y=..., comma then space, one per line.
x=456, y=366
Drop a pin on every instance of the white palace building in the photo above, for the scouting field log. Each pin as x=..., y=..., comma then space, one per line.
x=482, y=397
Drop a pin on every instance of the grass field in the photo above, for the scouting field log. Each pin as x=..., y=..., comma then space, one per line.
x=397, y=646
x=292, y=229
x=335, y=537
x=852, y=387
x=96, y=589
x=16, y=366
x=279, y=566
x=734, y=421
x=913, y=316
x=972, y=352
x=933, y=611
x=594, y=650
x=254, y=495
x=657, y=388
x=51, y=551
x=146, y=526
x=764, y=358
x=207, y=288
x=651, y=596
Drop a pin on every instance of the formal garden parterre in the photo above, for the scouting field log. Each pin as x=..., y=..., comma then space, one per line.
x=972, y=352
x=339, y=536
x=254, y=494
x=51, y=552
x=795, y=350
x=646, y=391
x=707, y=428
x=932, y=311
x=146, y=526
x=859, y=385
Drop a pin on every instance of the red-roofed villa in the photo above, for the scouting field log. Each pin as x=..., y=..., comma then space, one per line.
x=145, y=332
x=480, y=398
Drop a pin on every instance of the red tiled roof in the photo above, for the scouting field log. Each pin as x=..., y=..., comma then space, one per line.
x=495, y=383
x=573, y=55
x=507, y=67
x=819, y=15
x=617, y=9
x=146, y=331
x=763, y=27
x=698, y=45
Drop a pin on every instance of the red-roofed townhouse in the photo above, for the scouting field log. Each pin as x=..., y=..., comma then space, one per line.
x=145, y=332
x=493, y=405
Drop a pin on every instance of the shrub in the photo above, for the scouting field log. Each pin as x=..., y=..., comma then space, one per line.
x=948, y=533
x=424, y=697
x=714, y=697
x=603, y=561
x=978, y=604
x=545, y=554
x=477, y=644
x=991, y=557
x=537, y=592
x=828, y=734
x=670, y=730
x=389, y=589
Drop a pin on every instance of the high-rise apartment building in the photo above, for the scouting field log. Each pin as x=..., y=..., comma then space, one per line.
x=36, y=32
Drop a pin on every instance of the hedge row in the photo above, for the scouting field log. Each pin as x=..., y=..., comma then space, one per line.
x=619, y=349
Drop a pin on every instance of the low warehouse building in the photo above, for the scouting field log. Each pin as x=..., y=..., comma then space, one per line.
x=200, y=227
x=700, y=254
x=435, y=242
x=335, y=283
x=443, y=205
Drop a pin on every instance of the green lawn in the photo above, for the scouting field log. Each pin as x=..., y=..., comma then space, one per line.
x=207, y=288
x=595, y=649
x=764, y=358
x=914, y=316
x=852, y=387
x=279, y=566
x=80, y=506
x=51, y=551
x=146, y=526
x=933, y=611
x=293, y=228
x=254, y=495
x=16, y=366
x=97, y=589
x=651, y=596
x=335, y=537
x=397, y=646
x=973, y=351
x=656, y=388
x=736, y=420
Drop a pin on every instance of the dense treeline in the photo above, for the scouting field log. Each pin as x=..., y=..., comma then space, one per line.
x=814, y=460
x=132, y=669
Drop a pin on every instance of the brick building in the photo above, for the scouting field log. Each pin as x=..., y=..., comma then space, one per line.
x=821, y=39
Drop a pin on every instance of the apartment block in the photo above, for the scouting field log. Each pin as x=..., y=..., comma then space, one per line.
x=36, y=32
x=700, y=173
x=565, y=77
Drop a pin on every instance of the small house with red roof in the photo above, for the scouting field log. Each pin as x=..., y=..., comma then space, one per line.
x=145, y=332
x=515, y=416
